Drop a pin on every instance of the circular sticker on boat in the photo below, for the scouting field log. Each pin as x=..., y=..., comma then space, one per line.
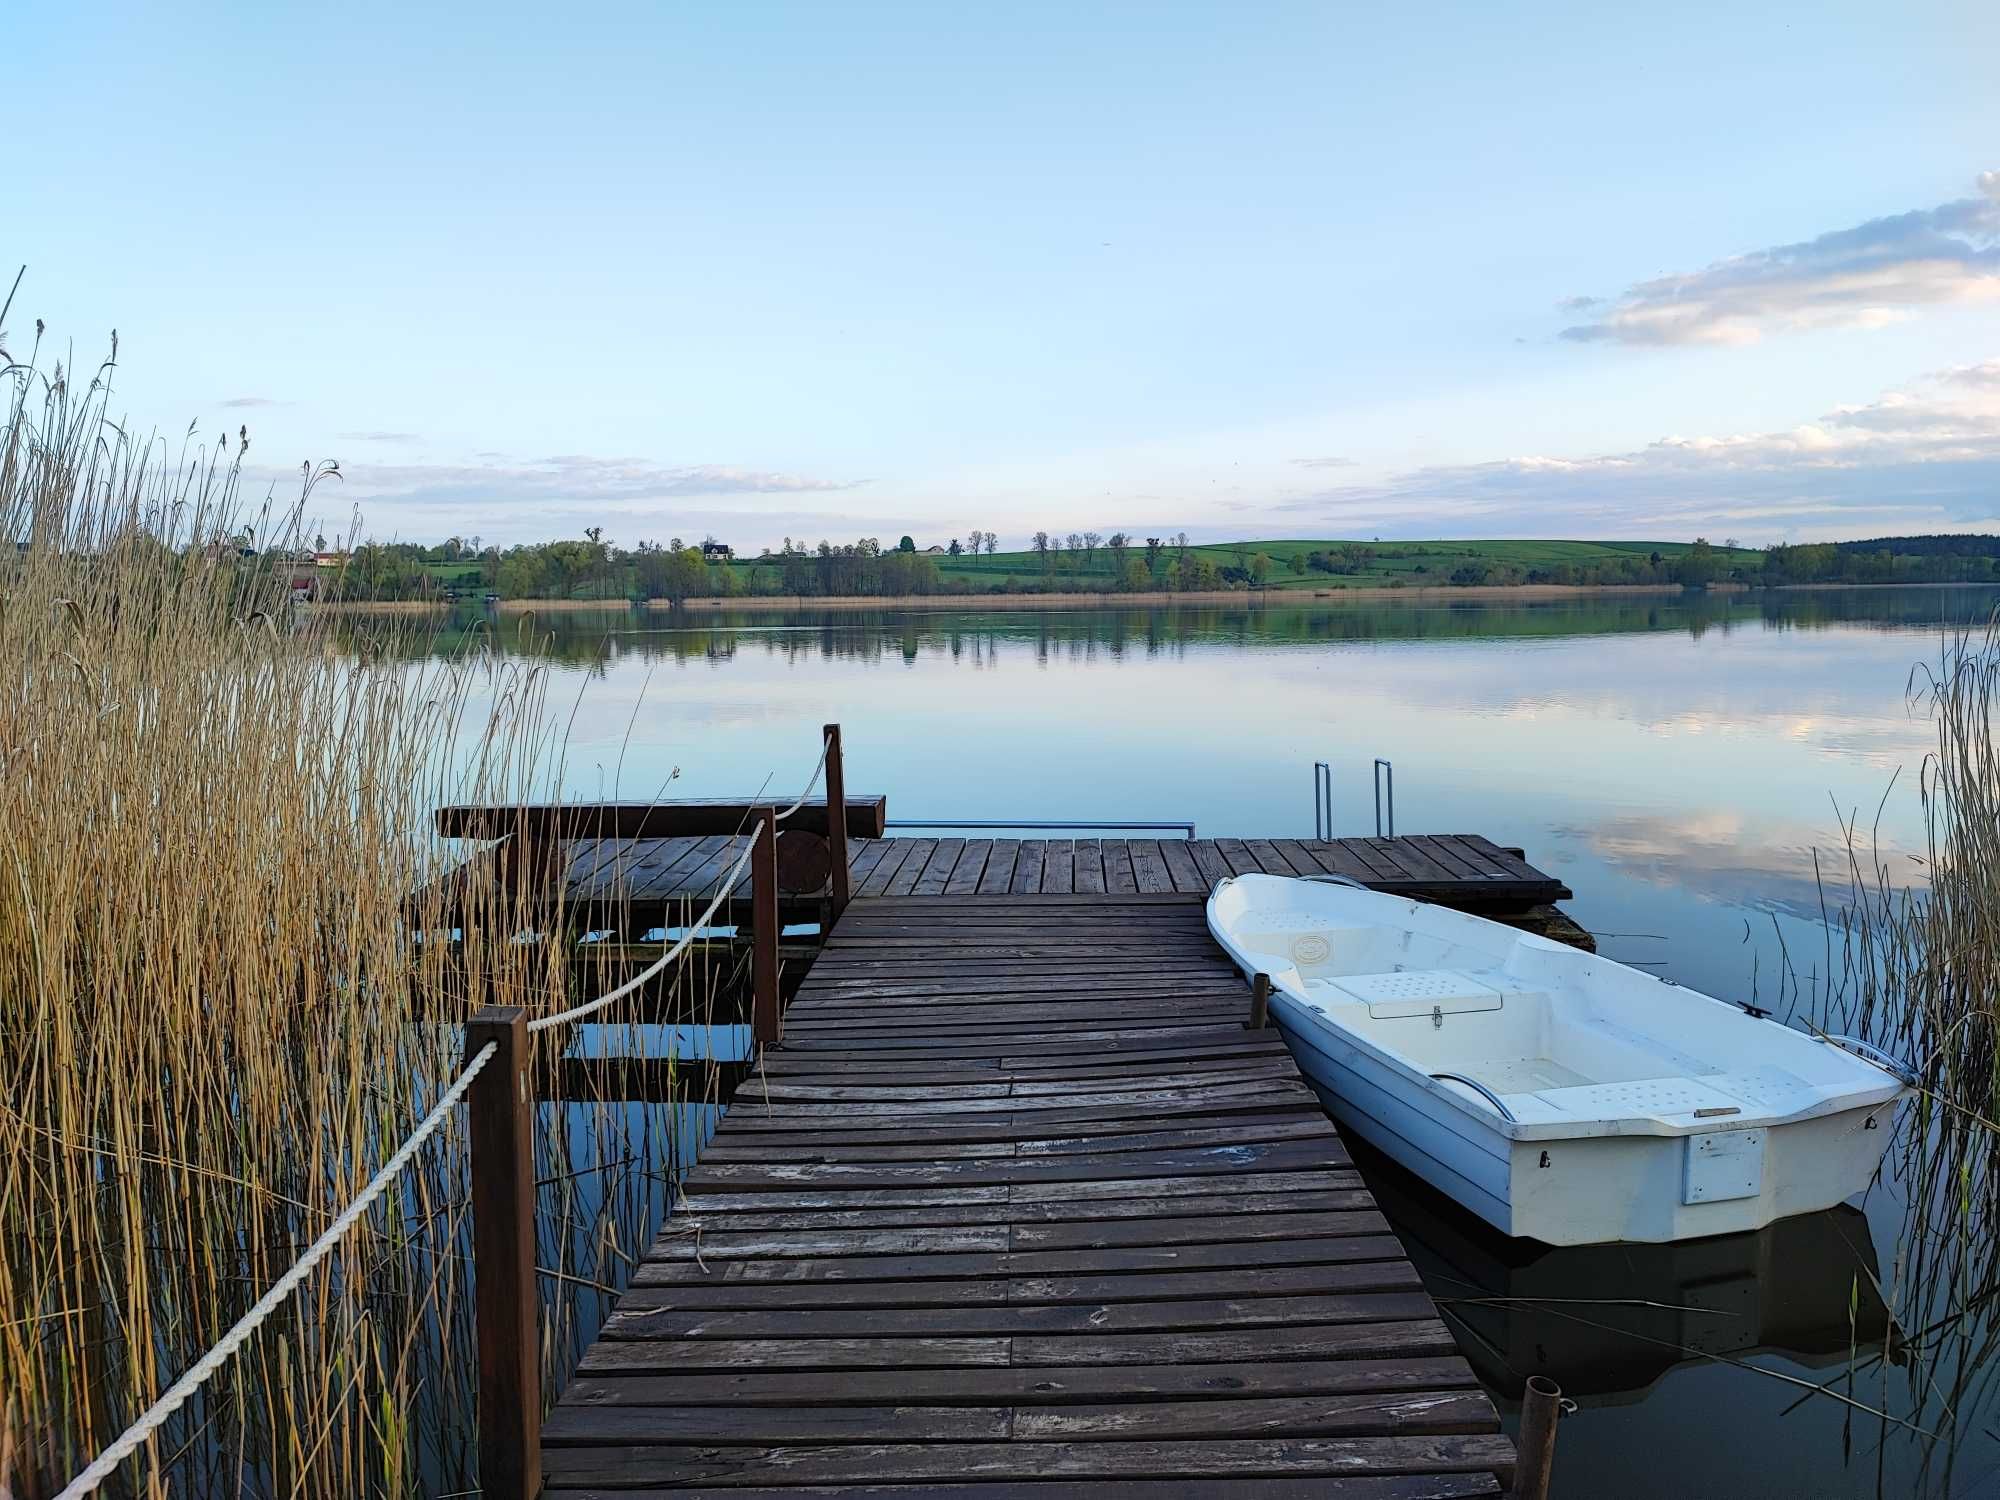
x=1311, y=949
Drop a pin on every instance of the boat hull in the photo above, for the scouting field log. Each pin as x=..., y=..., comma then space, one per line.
x=1586, y=1190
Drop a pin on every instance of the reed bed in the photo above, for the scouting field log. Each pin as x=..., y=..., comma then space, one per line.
x=230, y=977
x=1914, y=964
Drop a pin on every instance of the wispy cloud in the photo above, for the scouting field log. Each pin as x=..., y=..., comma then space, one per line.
x=1924, y=457
x=253, y=401
x=380, y=437
x=1862, y=277
x=532, y=499
x=1333, y=462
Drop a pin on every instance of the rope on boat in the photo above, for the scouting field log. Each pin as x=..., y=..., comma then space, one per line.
x=176, y=1395
x=590, y=1007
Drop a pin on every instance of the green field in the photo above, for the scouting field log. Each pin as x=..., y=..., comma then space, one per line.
x=1408, y=564
x=1342, y=565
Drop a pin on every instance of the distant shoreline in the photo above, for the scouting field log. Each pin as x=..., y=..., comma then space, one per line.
x=1260, y=598
x=1254, y=598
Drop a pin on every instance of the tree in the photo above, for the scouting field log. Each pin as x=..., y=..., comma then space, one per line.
x=954, y=549
x=907, y=544
x=1297, y=565
x=1075, y=540
x=1041, y=545
x=1697, y=566
x=1090, y=541
x=992, y=543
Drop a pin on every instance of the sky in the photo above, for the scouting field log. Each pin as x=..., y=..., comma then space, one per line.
x=823, y=270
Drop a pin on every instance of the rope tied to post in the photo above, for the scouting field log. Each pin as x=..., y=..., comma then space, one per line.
x=693, y=929
x=161, y=1411
x=224, y=1349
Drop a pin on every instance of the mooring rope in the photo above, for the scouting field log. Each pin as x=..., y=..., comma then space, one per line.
x=156, y=1415
x=591, y=1007
x=176, y=1395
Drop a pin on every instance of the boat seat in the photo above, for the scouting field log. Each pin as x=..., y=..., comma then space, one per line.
x=1418, y=992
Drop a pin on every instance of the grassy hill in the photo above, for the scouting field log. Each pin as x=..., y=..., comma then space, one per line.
x=1291, y=564
x=1410, y=564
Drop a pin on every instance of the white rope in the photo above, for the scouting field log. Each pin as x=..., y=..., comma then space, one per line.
x=157, y=1414
x=591, y=1007
x=176, y=1396
x=542, y=1023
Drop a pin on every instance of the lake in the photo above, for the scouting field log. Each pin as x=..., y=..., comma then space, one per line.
x=1685, y=764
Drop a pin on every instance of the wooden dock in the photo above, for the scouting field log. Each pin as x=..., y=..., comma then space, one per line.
x=1021, y=1209
x=644, y=881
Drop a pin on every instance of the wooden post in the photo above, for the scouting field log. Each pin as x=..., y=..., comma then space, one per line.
x=1260, y=1003
x=764, y=929
x=501, y=1109
x=836, y=822
x=1541, y=1409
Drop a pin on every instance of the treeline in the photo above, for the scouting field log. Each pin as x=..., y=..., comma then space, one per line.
x=592, y=568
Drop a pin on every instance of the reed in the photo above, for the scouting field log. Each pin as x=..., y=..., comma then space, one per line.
x=1913, y=959
x=223, y=1005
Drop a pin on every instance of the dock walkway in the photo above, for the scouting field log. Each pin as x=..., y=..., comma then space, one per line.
x=1020, y=1209
x=644, y=881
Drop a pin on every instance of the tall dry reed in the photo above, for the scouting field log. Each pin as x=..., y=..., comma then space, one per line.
x=1914, y=962
x=221, y=1006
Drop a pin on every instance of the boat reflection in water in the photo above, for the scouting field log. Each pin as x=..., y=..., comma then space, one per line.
x=1607, y=1321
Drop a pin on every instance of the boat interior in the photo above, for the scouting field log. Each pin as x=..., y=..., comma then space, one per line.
x=1539, y=1032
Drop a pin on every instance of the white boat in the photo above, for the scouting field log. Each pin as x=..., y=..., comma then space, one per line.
x=1558, y=1095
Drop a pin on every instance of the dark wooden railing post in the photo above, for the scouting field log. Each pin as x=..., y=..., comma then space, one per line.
x=836, y=821
x=764, y=929
x=1260, y=1003
x=501, y=1109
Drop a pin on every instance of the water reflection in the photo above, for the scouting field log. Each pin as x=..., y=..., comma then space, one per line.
x=966, y=633
x=1606, y=1322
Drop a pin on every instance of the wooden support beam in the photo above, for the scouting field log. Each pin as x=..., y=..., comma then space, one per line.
x=836, y=797
x=764, y=1020
x=703, y=817
x=501, y=1110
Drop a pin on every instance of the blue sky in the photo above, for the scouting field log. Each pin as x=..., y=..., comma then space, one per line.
x=825, y=270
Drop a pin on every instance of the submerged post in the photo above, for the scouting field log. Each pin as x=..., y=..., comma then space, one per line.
x=1260, y=1003
x=501, y=1114
x=836, y=823
x=764, y=929
x=1541, y=1409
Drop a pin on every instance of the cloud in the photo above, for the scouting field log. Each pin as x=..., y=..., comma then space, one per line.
x=254, y=401
x=1922, y=458
x=533, y=499
x=1325, y=463
x=1862, y=277
x=380, y=437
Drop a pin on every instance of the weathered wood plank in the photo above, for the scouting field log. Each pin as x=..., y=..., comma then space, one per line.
x=1021, y=1206
x=863, y=1463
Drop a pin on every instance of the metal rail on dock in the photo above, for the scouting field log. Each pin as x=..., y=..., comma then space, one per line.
x=1186, y=829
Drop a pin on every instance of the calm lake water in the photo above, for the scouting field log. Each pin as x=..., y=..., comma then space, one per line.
x=1685, y=765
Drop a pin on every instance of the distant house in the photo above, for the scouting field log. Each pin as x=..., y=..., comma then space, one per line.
x=933, y=548
x=716, y=552
x=330, y=559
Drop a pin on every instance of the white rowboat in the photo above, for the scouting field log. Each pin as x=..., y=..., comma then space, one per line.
x=1558, y=1095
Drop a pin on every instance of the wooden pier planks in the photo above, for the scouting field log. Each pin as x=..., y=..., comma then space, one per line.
x=1021, y=1209
x=658, y=879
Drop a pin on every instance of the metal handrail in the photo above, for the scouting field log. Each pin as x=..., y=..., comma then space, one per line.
x=1382, y=765
x=1322, y=801
x=1483, y=1091
x=1888, y=1062
x=1186, y=828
